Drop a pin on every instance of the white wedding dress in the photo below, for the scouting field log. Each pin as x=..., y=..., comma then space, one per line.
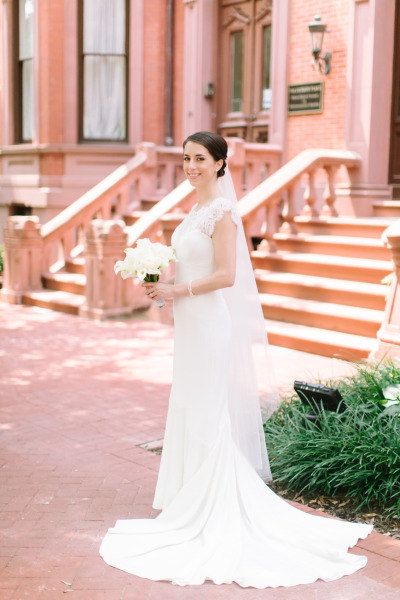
x=219, y=520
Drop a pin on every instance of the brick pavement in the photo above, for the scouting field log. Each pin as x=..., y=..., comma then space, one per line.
x=77, y=400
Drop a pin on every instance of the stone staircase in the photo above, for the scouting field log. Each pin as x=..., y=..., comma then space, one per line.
x=321, y=290
x=64, y=291
x=319, y=278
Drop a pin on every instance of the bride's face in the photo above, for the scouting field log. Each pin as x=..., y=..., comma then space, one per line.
x=198, y=165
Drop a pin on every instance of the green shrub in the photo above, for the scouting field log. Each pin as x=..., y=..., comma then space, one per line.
x=1, y=258
x=355, y=453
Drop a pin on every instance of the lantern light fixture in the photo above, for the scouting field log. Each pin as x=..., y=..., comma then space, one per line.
x=317, y=30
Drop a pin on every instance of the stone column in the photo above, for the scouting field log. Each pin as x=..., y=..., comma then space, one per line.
x=368, y=104
x=23, y=252
x=108, y=294
x=200, y=33
x=389, y=333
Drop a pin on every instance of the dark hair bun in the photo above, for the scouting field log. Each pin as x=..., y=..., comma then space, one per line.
x=221, y=172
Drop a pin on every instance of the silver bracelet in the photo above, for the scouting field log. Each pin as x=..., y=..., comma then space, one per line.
x=189, y=287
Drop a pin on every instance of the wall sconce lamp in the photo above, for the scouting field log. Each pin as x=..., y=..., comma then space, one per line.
x=317, y=30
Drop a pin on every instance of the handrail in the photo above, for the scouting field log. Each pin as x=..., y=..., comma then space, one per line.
x=288, y=174
x=91, y=200
x=261, y=196
x=154, y=214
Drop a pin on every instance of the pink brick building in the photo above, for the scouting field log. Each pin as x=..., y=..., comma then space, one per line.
x=82, y=82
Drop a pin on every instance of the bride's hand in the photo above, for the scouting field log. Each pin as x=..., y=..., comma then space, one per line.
x=159, y=291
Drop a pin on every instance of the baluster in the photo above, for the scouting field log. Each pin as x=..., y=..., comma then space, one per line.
x=329, y=196
x=67, y=242
x=289, y=211
x=122, y=203
x=273, y=221
x=310, y=197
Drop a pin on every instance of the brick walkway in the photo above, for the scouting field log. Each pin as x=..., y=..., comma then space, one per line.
x=77, y=399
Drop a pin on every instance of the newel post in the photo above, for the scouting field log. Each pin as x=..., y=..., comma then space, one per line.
x=23, y=253
x=148, y=177
x=108, y=294
x=389, y=333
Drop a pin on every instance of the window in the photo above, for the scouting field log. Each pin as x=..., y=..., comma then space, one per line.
x=236, y=100
x=266, y=65
x=25, y=81
x=104, y=70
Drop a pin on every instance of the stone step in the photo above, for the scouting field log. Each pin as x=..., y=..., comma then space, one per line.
x=387, y=208
x=74, y=283
x=133, y=217
x=333, y=245
x=315, y=340
x=337, y=267
x=75, y=265
x=147, y=203
x=323, y=289
x=54, y=300
x=345, y=226
x=326, y=315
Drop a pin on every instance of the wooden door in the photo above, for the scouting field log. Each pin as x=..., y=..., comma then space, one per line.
x=394, y=162
x=244, y=91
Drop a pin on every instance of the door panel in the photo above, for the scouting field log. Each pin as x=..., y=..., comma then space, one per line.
x=245, y=50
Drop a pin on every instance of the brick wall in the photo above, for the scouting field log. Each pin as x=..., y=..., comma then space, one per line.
x=328, y=128
x=154, y=19
x=51, y=71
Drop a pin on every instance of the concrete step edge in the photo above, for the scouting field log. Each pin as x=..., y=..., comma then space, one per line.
x=340, y=261
x=338, y=240
x=313, y=281
x=304, y=332
x=322, y=308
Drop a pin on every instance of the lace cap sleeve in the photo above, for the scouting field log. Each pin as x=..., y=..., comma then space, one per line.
x=215, y=213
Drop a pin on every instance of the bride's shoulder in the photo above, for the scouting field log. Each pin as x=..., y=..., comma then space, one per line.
x=217, y=209
x=222, y=205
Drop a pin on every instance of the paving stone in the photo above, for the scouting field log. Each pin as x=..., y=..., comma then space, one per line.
x=77, y=400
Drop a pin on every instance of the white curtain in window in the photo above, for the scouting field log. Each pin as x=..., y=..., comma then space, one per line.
x=26, y=10
x=104, y=98
x=104, y=69
x=26, y=52
x=104, y=27
x=28, y=100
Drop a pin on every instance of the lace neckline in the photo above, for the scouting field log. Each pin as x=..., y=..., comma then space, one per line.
x=196, y=208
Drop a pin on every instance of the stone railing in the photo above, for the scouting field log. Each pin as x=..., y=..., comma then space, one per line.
x=92, y=225
x=63, y=236
x=389, y=332
x=279, y=198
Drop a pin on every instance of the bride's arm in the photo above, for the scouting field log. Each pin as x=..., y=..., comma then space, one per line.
x=224, y=242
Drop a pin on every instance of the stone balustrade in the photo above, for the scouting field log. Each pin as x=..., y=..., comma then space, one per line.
x=278, y=199
x=389, y=332
x=86, y=227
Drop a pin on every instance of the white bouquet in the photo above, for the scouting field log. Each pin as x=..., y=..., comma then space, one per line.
x=145, y=262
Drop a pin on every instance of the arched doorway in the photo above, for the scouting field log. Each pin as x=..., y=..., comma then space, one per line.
x=244, y=98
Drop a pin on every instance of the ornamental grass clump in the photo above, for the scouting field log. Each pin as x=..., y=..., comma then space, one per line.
x=354, y=454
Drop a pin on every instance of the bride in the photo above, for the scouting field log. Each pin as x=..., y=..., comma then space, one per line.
x=219, y=520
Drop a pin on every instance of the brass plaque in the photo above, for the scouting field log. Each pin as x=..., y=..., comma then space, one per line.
x=305, y=98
